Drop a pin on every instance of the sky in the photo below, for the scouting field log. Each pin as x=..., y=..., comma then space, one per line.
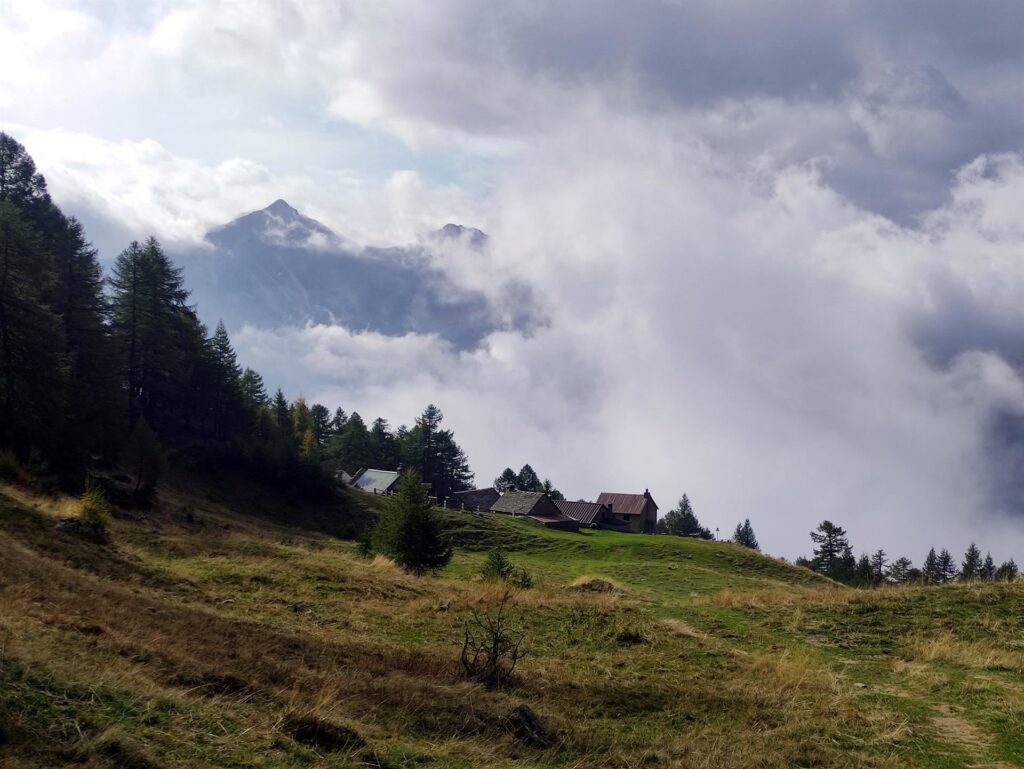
x=777, y=246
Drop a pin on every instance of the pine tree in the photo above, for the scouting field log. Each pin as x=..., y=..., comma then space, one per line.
x=863, y=574
x=972, y=565
x=282, y=412
x=506, y=481
x=226, y=390
x=878, y=564
x=1007, y=571
x=744, y=535
x=93, y=384
x=988, y=568
x=338, y=421
x=33, y=366
x=409, y=530
x=384, y=449
x=833, y=556
x=549, y=488
x=353, y=448
x=930, y=570
x=435, y=454
x=898, y=572
x=22, y=186
x=683, y=522
x=527, y=479
x=254, y=392
x=947, y=570
x=321, y=423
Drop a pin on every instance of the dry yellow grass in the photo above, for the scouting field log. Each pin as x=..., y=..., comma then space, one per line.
x=979, y=655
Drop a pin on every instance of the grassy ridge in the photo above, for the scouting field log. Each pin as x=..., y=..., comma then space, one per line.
x=210, y=633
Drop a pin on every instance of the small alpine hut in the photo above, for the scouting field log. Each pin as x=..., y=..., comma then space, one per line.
x=638, y=512
x=536, y=505
x=376, y=481
x=474, y=499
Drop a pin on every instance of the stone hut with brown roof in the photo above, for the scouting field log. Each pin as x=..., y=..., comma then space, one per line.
x=636, y=512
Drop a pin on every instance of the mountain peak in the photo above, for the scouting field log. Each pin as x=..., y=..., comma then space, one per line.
x=280, y=207
x=452, y=231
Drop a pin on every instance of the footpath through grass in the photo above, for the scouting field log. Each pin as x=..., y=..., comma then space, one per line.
x=211, y=633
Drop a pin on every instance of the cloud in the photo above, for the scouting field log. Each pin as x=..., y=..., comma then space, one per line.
x=750, y=337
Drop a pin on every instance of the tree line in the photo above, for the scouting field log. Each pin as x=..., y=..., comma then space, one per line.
x=833, y=557
x=93, y=367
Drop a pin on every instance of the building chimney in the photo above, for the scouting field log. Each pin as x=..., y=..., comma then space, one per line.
x=647, y=493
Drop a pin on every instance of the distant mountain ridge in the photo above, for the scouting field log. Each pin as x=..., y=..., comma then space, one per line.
x=277, y=267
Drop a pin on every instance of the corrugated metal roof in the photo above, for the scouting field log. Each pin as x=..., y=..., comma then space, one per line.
x=517, y=502
x=376, y=480
x=584, y=512
x=628, y=504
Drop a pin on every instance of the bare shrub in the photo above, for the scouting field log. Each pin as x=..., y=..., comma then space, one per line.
x=492, y=645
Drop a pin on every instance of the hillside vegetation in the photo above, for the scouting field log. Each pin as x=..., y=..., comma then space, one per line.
x=209, y=632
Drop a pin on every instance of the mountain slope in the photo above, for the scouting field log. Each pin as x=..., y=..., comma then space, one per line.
x=276, y=267
x=203, y=636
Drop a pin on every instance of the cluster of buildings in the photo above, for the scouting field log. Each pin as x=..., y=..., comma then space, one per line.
x=621, y=512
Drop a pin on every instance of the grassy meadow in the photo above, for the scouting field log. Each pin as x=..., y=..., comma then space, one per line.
x=211, y=633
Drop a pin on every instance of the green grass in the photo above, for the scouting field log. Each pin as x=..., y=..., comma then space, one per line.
x=212, y=624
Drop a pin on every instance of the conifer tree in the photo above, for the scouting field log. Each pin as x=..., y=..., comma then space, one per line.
x=682, y=521
x=863, y=575
x=302, y=420
x=506, y=481
x=549, y=488
x=744, y=535
x=930, y=569
x=527, y=479
x=93, y=386
x=144, y=457
x=971, y=567
x=1007, y=571
x=833, y=556
x=321, y=423
x=899, y=571
x=409, y=530
x=947, y=570
x=254, y=392
x=988, y=568
x=33, y=366
x=282, y=413
x=338, y=421
x=878, y=564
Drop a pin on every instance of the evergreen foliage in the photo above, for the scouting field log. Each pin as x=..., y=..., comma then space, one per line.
x=682, y=521
x=507, y=481
x=833, y=556
x=409, y=530
x=744, y=535
x=971, y=568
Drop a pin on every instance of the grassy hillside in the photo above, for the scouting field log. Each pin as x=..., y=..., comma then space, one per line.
x=209, y=632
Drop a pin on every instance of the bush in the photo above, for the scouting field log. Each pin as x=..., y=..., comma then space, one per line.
x=492, y=646
x=497, y=565
x=521, y=578
x=94, y=510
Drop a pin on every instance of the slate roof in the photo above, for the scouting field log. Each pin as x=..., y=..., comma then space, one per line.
x=627, y=504
x=517, y=502
x=585, y=512
x=476, y=498
x=376, y=480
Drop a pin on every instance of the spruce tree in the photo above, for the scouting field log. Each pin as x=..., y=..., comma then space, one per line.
x=744, y=535
x=988, y=568
x=527, y=479
x=549, y=488
x=863, y=574
x=338, y=421
x=282, y=413
x=930, y=569
x=254, y=392
x=409, y=530
x=947, y=570
x=321, y=423
x=1007, y=571
x=971, y=567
